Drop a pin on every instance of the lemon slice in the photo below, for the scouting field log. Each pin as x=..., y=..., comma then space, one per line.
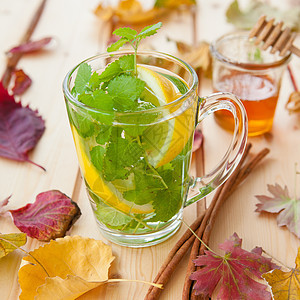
x=164, y=141
x=105, y=190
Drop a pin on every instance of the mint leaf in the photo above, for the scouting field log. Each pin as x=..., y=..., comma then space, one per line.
x=100, y=101
x=111, y=216
x=121, y=155
x=104, y=133
x=149, y=30
x=112, y=70
x=84, y=125
x=125, y=90
x=126, y=32
x=117, y=45
x=94, y=82
x=97, y=155
x=83, y=77
x=127, y=63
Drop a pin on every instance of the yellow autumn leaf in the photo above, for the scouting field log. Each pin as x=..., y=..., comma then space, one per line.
x=67, y=268
x=285, y=285
x=10, y=242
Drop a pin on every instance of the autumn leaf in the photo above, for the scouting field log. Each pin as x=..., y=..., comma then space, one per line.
x=198, y=56
x=231, y=272
x=20, y=128
x=10, y=242
x=293, y=103
x=287, y=207
x=131, y=12
x=31, y=46
x=74, y=265
x=3, y=210
x=247, y=18
x=21, y=82
x=49, y=217
x=285, y=285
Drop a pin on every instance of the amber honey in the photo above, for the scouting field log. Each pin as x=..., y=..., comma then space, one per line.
x=259, y=95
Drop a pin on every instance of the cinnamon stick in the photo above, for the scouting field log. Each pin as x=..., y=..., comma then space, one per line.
x=229, y=187
x=173, y=259
x=14, y=58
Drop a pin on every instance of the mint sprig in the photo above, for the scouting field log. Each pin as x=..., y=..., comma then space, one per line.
x=131, y=36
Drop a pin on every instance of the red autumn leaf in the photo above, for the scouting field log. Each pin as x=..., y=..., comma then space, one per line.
x=20, y=128
x=49, y=217
x=231, y=272
x=3, y=210
x=198, y=140
x=287, y=207
x=31, y=46
x=21, y=82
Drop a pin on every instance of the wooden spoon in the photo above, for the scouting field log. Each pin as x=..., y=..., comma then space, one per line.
x=273, y=35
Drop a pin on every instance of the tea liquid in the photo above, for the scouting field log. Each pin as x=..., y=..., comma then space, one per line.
x=259, y=96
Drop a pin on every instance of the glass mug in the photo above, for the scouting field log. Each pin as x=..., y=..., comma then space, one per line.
x=137, y=181
x=252, y=75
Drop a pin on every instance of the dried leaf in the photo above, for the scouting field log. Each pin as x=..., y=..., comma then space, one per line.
x=31, y=46
x=20, y=128
x=285, y=285
x=293, y=104
x=198, y=56
x=129, y=12
x=287, y=207
x=198, y=140
x=21, y=82
x=247, y=19
x=74, y=265
x=3, y=210
x=49, y=217
x=10, y=242
x=232, y=272
x=173, y=3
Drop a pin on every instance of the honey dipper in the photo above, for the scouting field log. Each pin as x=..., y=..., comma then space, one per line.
x=272, y=35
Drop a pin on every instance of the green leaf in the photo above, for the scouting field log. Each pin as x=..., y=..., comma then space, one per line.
x=121, y=155
x=112, y=70
x=111, y=216
x=127, y=63
x=126, y=32
x=104, y=134
x=117, y=45
x=94, y=82
x=179, y=83
x=125, y=90
x=83, y=124
x=83, y=77
x=97, y=156
x=149, y=30
x=247, y=18
x=10, y=242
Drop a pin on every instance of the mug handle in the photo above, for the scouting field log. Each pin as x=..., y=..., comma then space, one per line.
x=204, y=185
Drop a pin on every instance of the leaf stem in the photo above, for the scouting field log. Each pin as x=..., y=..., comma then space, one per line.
x=199, y=238
x=160, y=286
x=150, y=166
x=35, y=259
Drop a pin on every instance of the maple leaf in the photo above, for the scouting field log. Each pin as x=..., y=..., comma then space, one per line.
x=20, y=128
x=232, y=272
x=287, y=207
x=30, y=46
x=21, y=82
x=285, y=285
x=10, y=242
x=74, y=265
x=49, y=217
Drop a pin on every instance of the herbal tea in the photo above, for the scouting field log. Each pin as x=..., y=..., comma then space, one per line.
x=258, y=94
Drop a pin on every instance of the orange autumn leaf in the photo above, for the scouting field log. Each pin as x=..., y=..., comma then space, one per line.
x=285, y=285
x=67, y=268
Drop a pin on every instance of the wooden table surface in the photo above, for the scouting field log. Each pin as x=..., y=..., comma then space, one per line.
x=79, y=34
